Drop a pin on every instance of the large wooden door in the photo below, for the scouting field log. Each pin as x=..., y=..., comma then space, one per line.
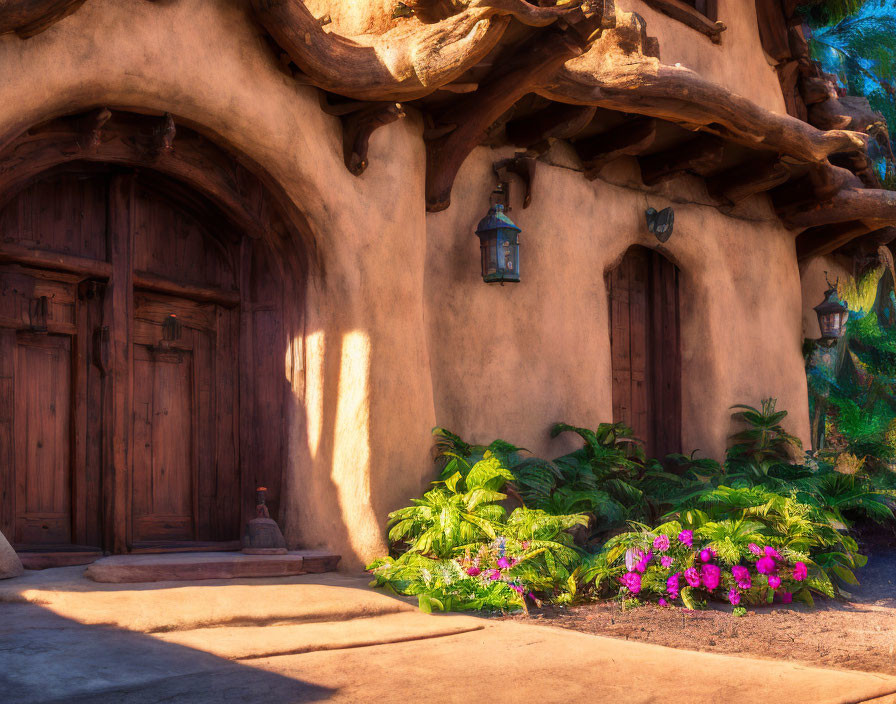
x=645, y=349
x=121, y=328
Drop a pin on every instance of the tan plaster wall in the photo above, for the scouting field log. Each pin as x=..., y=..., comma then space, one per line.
x=360, y=444
x=738, y=63
x=510, y=361
x=398, y=332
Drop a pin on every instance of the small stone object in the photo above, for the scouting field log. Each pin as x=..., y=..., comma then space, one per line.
x=10, y=564
x=263, y=536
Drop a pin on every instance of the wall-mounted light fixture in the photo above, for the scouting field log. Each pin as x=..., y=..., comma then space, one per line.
x=832, y=314
x=499, y=243
x=661, y=223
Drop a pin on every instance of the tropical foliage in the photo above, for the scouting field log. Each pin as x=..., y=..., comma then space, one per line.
x=605, y=521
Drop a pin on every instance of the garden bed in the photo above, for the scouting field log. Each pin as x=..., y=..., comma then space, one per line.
x=856, y=634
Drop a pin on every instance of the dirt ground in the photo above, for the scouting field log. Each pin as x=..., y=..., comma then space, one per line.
x=858, y=634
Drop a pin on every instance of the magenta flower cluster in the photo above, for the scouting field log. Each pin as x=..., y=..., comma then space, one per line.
x=767, y=569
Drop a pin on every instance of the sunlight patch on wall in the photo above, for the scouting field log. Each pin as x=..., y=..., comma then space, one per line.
x=314, y=390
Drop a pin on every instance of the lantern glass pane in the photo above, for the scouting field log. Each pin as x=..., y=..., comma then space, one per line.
x=490, y=255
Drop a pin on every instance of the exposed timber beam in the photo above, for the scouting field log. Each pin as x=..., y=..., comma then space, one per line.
x=686, y=14
x=357, y=128
x=700, y=156
x=873, y=206
x=410, y=59
x=535, y=61
x=745, y=180
x=825, y=239
x=29, y=17
x=557, y=121
x=630, y=139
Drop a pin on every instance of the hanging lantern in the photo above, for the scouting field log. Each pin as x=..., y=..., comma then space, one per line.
x=499, y=242
x=832, y=314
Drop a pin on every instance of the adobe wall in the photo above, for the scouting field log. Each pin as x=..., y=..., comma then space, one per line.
x=510, y=361
x=360, y=423
x=738, y=62
x=400, y=333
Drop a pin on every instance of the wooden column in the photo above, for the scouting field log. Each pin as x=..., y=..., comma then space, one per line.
x=118, y=409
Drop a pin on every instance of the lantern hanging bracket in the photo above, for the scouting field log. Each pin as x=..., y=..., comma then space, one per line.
x=522, y=166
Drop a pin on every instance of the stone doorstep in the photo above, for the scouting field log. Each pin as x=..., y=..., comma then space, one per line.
x=184, y=566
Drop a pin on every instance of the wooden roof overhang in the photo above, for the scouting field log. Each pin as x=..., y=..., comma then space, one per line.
x=513, y=72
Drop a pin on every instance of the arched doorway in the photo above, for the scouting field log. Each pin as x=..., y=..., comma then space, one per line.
x=645, y=343
x=142, y=341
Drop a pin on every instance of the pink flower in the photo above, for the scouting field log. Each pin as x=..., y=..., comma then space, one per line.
x=473, y=571
x=786, y=597
x=662, y=602
x=711, y=576
x=733, y=596
x=666, y=560
x=692, y=577
x=631, y=581
x=774, y=581
x=687, y=538
x=672, y=585
x=800, y=571
x=765, y=565
x=493, y=575
x=742, y=576
x=503, y=563
x=705, y=555
x=642, y=563
x=517, y=588
x=755, y=549
x=661, y=543
x=771, y=552
x=524, y=545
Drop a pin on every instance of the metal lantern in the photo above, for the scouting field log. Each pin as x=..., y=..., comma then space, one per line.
x=832, y=314
x=499, y=242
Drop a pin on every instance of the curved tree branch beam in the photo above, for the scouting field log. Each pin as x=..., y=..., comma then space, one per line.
x=30, y=17
x=408, y=61
x=617, y=74
x=876, y=207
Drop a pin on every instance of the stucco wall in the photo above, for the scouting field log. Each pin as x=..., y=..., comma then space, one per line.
x=510, y=361
x=738, y=62
x=400, y=334
x=362, y=413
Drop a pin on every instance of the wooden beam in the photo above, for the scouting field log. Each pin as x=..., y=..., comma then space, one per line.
x=42, y=259
x=688, y=15
x=819, y=241
x=630, y=139
x=210, y=294
x=700, y=156
x=557, y=121
x=163, y=137
x=29, y=17
x=118, y=408
x=357, y=128
x=745, y=180
x=869, y=205
x=535, y=61
x=816, y=90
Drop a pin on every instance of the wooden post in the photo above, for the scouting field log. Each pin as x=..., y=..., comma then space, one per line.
x=119, y=407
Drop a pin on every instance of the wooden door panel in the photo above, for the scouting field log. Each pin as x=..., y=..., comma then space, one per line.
x=162, y=503
x=43, y=439
x=645, y=349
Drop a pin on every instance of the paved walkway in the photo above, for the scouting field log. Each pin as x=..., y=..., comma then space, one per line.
x=329, y=638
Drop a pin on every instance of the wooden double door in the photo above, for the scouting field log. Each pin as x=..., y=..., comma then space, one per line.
x=120, y=333
x=645, y=342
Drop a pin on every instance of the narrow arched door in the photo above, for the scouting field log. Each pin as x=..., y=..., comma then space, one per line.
x=645, y=343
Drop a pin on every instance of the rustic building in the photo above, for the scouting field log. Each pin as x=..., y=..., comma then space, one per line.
x=237, y=245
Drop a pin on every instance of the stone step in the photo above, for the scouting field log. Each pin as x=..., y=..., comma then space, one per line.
x=246, y=642
x=189, y=566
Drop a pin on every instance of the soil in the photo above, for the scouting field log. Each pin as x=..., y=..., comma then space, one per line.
x=855, y=634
